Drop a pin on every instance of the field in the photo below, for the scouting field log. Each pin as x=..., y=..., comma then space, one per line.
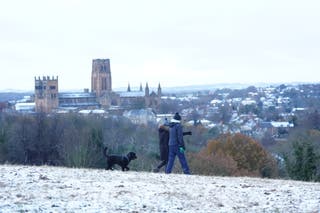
x=57, y=189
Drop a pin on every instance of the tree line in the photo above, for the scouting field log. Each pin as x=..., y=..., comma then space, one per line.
x=69, y=139
x=74, y=140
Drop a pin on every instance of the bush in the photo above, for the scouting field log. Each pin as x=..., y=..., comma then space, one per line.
x=213, y=164
x=236, y=155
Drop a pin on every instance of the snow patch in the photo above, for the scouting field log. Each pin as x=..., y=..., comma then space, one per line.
x=57, y=189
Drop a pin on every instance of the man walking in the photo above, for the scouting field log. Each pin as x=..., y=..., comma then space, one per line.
x=176, y=145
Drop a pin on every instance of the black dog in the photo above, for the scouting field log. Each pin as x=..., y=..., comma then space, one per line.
x=121, y=160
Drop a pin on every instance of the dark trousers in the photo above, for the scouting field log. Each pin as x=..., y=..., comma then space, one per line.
x=173, y=152
x=162, y=163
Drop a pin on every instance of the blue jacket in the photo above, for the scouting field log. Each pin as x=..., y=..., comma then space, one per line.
x=175, y=134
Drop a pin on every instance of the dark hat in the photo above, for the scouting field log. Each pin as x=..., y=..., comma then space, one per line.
x=177, y=117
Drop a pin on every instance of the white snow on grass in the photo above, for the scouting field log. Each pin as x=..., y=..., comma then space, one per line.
x=57, y=189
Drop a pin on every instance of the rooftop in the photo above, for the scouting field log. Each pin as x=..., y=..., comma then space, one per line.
x=77, y=95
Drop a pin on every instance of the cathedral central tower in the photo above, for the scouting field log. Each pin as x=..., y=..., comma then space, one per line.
x=101, y=77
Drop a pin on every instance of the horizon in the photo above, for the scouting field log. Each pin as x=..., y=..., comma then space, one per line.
x=207, y=43
x=175, y=88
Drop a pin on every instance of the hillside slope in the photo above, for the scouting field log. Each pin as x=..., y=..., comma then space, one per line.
x=56, y=189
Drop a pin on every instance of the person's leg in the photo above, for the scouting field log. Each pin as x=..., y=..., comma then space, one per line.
x=172, y=155
x=183, y=162
x=163, y=163
x=157, y=169
x=164, y=152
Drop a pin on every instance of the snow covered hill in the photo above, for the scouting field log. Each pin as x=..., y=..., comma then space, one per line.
x=56, y=189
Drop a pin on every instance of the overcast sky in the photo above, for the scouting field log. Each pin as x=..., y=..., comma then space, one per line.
x=172, y=42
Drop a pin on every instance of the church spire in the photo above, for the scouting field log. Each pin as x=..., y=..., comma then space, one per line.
x=147, y=90
x=129, y=89
x=159, y=90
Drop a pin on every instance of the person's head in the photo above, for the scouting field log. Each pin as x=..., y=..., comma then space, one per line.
x=177, y=116
x=166, y=122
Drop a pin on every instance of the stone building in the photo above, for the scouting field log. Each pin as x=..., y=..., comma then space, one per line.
x=46, y=94
x=48, y=98
x=101, y=77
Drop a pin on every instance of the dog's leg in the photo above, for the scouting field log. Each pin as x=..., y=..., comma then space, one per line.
x=109, y=167
x=125, y=168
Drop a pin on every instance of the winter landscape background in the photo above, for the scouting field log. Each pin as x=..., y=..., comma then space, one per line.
x=244, y=76
x=59, y=189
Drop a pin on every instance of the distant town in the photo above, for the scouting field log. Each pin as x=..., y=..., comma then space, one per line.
x=254, y=111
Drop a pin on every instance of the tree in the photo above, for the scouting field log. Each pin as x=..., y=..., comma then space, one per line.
x=225, y=113
x=249, y=155
x=267, y=140
x=310, y=164
x=169, y=106
x=195, y=116
x=82, y=141
x=301, y=156
x=314, y=119
x=252, y=89
x=21, y=146
x=3, y=138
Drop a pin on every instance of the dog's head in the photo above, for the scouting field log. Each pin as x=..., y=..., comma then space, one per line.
x=132, y=155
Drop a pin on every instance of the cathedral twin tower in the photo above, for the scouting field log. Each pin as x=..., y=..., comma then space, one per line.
x=101, y=77
x=47, y=98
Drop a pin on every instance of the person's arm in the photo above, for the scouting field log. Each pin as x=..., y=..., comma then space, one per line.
x=187, y=133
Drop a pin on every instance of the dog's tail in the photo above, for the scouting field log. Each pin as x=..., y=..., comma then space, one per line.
x=105, y=151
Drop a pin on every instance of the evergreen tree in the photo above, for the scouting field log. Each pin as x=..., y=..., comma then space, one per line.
x=310, y=167
x=302, y=165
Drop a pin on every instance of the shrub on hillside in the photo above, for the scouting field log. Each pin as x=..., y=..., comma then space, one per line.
x=219, y=164
x=235, y=155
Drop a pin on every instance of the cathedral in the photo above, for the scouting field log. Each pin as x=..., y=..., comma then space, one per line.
x=48, y=99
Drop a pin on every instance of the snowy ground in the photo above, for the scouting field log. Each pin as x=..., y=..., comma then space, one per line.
x=56, y=189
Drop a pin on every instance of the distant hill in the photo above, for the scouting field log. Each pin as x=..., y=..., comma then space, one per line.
x=10, y=96
x=204, y=87
x=194, y=88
